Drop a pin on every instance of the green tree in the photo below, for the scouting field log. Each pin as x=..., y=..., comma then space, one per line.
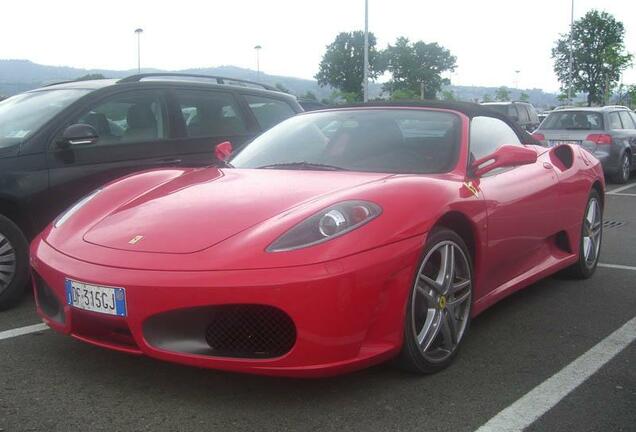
x=524, y=97
x=598, y=52
x=502, y=94
x=342, y=65
x=280, y=87
x=404, y=94
x=417, y=67
x=89, y=77
x=448, y=95
x=487, y=98
x=631, y=95
x=309, y=95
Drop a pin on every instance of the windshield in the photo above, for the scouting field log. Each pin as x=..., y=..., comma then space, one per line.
x=378, y=140
x=22, y=115
x=573, y=120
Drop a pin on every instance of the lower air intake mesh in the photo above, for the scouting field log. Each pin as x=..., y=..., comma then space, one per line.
x=250, y=331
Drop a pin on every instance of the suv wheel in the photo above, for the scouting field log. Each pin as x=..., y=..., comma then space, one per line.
x=14, y=259
x=624, y=169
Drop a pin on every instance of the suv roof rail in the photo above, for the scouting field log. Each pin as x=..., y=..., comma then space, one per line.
x=216, y=78
x=59, y=82
x=616, y=106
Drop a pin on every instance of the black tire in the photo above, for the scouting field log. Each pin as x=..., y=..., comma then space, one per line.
x=621, y=176
x=11, y=293
x=411, y=358
x=583, y=268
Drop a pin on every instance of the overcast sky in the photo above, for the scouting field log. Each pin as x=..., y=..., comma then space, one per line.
x=491, y=38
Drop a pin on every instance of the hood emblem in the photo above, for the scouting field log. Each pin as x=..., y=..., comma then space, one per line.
x=135, y=240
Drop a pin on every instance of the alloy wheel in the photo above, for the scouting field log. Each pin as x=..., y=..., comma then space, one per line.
x=626, y=167
x=592, y=228
x=7, y=263
x=440, y=305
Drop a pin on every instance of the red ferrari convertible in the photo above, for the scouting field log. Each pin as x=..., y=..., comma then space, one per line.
x=336, y=240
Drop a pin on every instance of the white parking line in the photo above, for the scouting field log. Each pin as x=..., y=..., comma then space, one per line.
x=546, y=395
x=620, y=189
x=8, y=334
x=617, y=266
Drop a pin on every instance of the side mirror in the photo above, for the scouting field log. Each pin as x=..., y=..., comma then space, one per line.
x=223, y=150
x=505, y=156
x=78, y=134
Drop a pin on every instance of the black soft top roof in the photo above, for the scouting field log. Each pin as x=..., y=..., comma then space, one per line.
x=468, y=108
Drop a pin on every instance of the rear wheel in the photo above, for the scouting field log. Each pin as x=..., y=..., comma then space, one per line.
x=591, y=238
x=624, y=169
x=14, y=269
x=438, y=310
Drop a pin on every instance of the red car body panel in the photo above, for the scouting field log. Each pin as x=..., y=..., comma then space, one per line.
x=206, y=232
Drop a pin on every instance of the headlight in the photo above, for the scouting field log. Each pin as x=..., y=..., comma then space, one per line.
x=329, y=223
x=71, y=211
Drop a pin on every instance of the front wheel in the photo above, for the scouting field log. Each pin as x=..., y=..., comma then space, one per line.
x=591, y=238
x=14, y=263
x=438, y=309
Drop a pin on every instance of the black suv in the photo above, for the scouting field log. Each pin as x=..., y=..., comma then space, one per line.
x=60, y=142
x=521, y=112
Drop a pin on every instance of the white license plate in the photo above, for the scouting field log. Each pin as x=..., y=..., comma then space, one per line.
x=554, y=143
x=95, y=298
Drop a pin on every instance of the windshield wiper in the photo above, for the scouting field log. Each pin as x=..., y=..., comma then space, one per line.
x=303, y=166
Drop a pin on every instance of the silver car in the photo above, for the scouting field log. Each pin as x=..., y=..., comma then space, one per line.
x=609, y=133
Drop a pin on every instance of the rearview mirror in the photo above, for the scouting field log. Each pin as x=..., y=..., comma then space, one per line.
x=223, y=150
x=78, y=134
x=505, y=156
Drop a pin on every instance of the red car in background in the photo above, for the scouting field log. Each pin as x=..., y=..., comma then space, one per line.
x=336, y=240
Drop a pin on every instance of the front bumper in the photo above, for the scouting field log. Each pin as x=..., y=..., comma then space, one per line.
x=348, y=313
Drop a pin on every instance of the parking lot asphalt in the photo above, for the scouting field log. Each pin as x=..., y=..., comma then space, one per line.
x=53, y=383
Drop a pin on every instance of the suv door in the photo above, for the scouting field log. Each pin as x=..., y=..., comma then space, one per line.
x=521, y=218
x=205, y=118
x=133, y=135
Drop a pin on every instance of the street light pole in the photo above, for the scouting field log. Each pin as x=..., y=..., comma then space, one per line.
x=365, y=83
x=516, y=83
x=139, y=31
x=571, y=56
x=258, y=62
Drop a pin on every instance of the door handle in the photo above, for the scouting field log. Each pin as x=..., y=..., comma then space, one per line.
x=547, y=165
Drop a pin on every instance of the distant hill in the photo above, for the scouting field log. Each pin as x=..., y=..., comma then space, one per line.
x=17, y=76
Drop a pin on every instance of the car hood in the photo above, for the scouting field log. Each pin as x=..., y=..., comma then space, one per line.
x=202, y=208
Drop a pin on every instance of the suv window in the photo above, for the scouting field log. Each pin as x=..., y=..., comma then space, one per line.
x=487, y=134
x=268, y=111
x=128, y=117
x=524, y=117
x=627, y=120
x=615, y=121
x=207, y=113
x=573, y=120
x=22, y=115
